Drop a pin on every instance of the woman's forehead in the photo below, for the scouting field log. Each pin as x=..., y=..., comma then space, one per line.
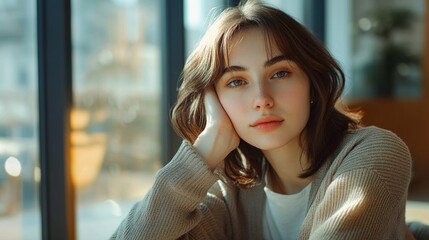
x=264, y=38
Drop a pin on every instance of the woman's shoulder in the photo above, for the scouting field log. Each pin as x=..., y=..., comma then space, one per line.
x=373, y=148
x=371, y=131
x=373, y=151
x=374, y=138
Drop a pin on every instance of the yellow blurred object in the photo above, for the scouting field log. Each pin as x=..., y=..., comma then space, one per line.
x=87, y=150
x=79, y=118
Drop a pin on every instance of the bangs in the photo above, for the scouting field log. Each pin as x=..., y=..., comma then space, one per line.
x=284, y=42
x=228, y=40
x=236, y=34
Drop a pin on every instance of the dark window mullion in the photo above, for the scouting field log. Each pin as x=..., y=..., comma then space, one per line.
x=54, y=60
x=173, y=59
x=232, y=3
x=314, y=17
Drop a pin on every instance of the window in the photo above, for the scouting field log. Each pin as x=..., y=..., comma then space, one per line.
x=198, y=17
x=115, y=136
x=20, y=216
x=294, y=8
x=380, y=46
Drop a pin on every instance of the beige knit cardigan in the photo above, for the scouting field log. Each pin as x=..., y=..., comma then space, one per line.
x=360, y=193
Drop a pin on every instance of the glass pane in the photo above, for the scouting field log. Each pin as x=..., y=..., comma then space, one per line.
x=294, y=8
x=20, y=216
x=198, y=16
x=115, y=120
x=380, y=43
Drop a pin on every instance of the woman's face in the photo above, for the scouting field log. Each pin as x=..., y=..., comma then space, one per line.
x=266, y=96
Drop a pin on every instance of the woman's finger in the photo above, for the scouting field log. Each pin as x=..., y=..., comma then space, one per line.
x=214, y=110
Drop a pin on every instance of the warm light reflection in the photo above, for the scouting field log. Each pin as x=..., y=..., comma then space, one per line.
x=13, y=166
x=79, y=118
x=37, y=174
x=87, y=150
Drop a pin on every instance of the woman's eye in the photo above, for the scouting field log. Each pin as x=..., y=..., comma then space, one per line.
x=280, y=74
x=236, y=83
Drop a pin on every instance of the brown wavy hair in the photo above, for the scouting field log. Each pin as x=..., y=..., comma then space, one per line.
x=327, y=124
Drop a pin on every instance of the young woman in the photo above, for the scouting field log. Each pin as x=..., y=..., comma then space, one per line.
x=268, y=153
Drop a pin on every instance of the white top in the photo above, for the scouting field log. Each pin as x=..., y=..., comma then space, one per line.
x=284, y=214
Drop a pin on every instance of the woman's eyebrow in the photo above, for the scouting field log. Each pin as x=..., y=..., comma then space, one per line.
x=275, y=60
x=233, y=69
x=268, y=63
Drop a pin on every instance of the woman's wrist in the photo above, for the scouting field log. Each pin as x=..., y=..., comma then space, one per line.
x=205, y=145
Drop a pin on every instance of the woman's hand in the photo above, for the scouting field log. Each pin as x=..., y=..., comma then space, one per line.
x=219, y=137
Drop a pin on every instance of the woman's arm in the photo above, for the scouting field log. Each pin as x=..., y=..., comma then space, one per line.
x=178, y=206
x=357, y=205
x=366, y=196
x=178, y=203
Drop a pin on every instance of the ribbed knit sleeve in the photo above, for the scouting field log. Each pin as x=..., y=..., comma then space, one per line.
x=178, y=206
x=364, y=191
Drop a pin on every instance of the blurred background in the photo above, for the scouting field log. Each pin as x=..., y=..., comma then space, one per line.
x=96, y=151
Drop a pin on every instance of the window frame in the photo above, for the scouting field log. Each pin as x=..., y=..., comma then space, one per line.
x=57, y=196
x=55, y=101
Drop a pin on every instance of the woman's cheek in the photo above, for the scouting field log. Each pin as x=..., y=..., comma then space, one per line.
x=234, y=109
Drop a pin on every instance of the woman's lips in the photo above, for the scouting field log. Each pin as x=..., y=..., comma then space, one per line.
x=267, y=123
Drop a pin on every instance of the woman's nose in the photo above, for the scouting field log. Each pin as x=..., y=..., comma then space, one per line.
x=263, y=98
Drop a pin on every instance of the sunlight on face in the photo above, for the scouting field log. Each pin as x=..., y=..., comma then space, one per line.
x=265, y=95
